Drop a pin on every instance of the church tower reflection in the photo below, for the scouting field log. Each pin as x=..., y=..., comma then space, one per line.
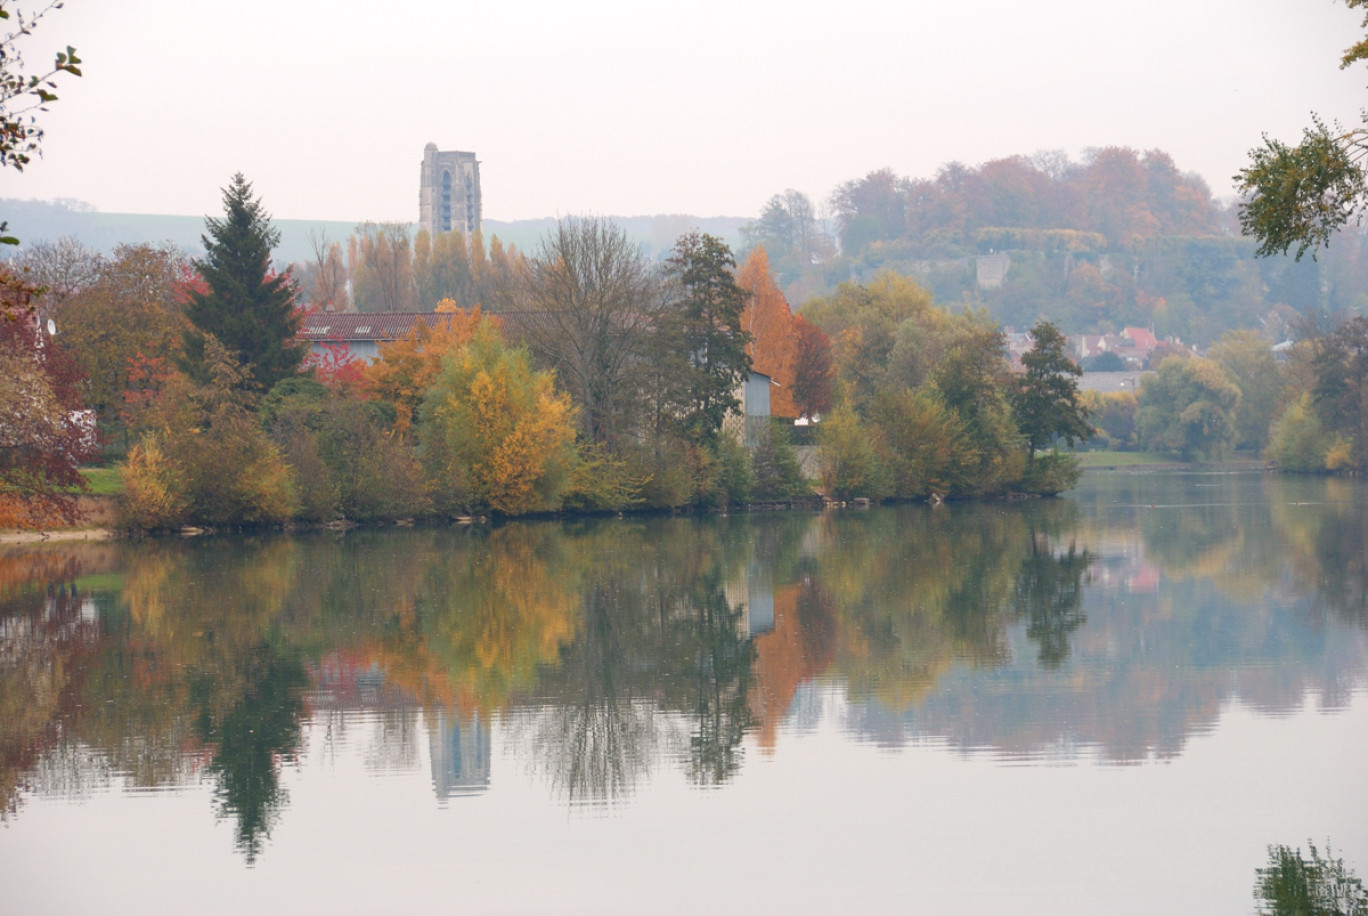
x=460, y=754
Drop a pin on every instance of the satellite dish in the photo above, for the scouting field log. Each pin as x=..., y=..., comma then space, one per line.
x=52, y=326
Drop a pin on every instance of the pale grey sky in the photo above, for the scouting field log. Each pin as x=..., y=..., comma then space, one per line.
x=614, y=107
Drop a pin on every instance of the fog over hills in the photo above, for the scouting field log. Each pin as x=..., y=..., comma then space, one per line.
x=38, y=221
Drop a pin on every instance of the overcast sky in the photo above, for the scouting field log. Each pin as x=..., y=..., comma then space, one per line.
x=628, y=108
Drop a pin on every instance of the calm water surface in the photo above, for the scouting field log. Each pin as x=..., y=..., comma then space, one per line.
x=1111, y=702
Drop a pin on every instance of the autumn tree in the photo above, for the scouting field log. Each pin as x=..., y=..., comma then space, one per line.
x=203, y=457
x=245, y=305
x=770, y=323
x=43, y=437
x=789, y=232
x=497, y=436
x=451, y=266
x=346, y=456
x=408, y=367
x=922, y=444
x=971, y=380
x=868, y=323
x=381, y=259
x=813, y=372
x=130, y=309
x=849, y=466
x=591, y=300
x=1299, y=442
x=700, y=337
x=443, y=269
x=1114, y=416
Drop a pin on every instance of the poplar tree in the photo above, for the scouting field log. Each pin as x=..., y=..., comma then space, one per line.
x=243, y=303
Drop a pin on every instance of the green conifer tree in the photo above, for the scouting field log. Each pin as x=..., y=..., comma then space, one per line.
x=1045, y=397
x=702, y=335
x=245, y=304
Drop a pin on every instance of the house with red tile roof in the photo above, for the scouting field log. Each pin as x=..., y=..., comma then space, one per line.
x=361, y=333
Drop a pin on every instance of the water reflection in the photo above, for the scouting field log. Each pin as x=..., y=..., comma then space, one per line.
x=249, y=727
x=601, y=653
x=1293, y=884
x=460, y=755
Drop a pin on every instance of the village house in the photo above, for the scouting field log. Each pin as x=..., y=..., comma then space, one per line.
x=344, y=336
x=1134, y=346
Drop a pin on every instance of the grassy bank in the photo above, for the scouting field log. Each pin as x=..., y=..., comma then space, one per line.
x=102, y=481
x=1102, y=460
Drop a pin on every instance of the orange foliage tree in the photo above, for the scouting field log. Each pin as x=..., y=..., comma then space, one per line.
x=773, y=348
x=408, y=367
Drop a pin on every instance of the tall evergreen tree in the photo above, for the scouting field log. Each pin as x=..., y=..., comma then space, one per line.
x=244, y=303
x=1045, y=399
x=703, y=334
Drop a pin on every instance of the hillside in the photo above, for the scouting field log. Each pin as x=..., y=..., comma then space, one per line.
x=1120, y=238
x=37, y=221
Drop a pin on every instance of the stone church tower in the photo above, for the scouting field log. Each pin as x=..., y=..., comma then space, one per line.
x=449, y=192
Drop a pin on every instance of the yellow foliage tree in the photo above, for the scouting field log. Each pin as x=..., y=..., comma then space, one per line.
x=203, y=456
x=408, y=367
x=153, y=494
x=498, y=435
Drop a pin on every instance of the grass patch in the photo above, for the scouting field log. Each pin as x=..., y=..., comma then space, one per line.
x=102, y=481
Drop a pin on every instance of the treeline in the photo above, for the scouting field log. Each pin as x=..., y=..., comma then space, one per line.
x=927, y=403
x=1120, y=238
x=597, y=380
x=1304, y=408
x=610, y=393
x=382, y=269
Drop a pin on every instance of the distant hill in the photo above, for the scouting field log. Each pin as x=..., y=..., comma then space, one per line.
x=37, y=221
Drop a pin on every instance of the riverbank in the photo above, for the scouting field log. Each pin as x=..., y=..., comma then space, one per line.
x=95, y=522
x=97, y=513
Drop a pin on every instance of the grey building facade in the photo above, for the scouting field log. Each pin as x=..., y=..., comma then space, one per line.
x=449, y=191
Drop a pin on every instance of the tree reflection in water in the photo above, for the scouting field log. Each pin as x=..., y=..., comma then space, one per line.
x=1049, y=595
x=606, y=649
x=1294, y=885
x=251, y=736
x=707, y=678
x=595, y=733
x=659, y=665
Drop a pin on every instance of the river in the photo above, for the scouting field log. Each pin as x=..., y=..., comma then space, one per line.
x=1114, y=701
